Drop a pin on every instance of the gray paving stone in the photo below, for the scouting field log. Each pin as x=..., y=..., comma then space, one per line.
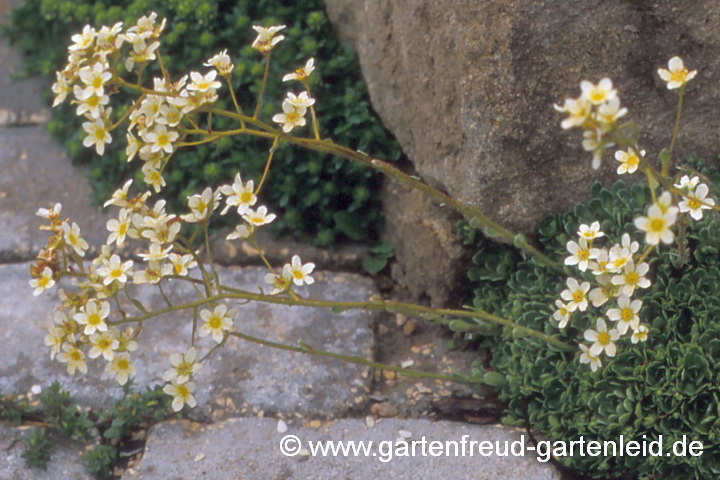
x=242, y=377
x=67, y=460
x=249, y=448
x=35, y=175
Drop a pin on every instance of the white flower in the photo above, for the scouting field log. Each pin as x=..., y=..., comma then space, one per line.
x=581, y=254
x=98, y=135
x=95, y=78
x=593, y=142
x=301, y=73
x=153, y=177
x=291, y=118
x=61, y=88
x=118, y=228
x=278, y=282
x=590, y=233
x=695, y=202
x=92, y=318
x=299, y=273
x=599, y=265
x=259, y=217
x=266, y=39
x=115, y=271
x=161, y=139
x=588, y=357
x=205, y=83
x=629, y=161
x=685, y=181
x=152, y=274
x=156, y=253
x=89, y=102
x=184, y=367
x=49, y=214
x=121, y=367
x=608, y=113
x=141, y=52
x=578, y=109
x=54, y=339
x=640, y=335
x=576, y=295
x=74, y=357
x=626, y=315
x=181, y=264
x=562, y=315
x=603, y=339
x=120, y=197
x=216, y=322
x=43, y=282
x=627, y=245
x=200, y=205
x=82, y=40
x=600, y=93
x=103, y=344
x=241, y=232
x=73, y=239
x=619, y=256
x=657, y=225
x=182, y=394
x=222, y=62
x=632, y=277
x=300, y=102
x=599, y=295
x=239, y=195
x=678, y=75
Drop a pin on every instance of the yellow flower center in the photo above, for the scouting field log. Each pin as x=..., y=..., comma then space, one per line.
x=97, y=82
x=100, y=134
x=679, y=75
x=122, y=364
x=76, y=356
x=298, y=274
x=657, y=225
x=94, y=319
x=43, y=281
x=632, y=160
x=583, y=254
x=597, y=95
x=72, y=238
x=578, y=296
x=603, y=338
x=179, y=268
x=626, y=314
x=117, y=273
x=123, y=228
x=184, y=368
x=631, y=278
x=104, y=344
x=215, y=322
x=182, y=391
x=292, y=117
x=694, y=204
x=93, y=101
x=246, y=197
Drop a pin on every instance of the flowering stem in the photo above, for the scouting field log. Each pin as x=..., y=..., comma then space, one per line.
x=681, y=94
x=258, y=106
x=267, y=165
x=376, y=304
x=235, y=102
x=162, y=292
x=316, y=126
x=303, y=348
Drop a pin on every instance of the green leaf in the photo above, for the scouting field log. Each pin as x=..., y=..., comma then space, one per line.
x=373, y=264
x=350, y=224
x=494, y=379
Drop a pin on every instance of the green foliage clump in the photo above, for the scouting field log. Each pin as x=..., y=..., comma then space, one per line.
x=148, y=407
x=100, y=460
x=38, y=449
x=330, y=199
x=664, y=387
x=57, y=405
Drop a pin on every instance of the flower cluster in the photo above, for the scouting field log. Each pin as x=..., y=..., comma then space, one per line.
x=619, y=271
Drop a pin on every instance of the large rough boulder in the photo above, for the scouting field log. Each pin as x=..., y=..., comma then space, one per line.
x=467, y=87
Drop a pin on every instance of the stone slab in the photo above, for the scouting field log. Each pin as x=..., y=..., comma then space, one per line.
x=35, y=174
x=242, y=377
x=67, y=460
x=245, y=448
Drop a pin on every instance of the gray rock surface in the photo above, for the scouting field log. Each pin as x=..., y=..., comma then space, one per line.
x=467, y=87
x=67, y=459
x=241, y=378
x=185, y=450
